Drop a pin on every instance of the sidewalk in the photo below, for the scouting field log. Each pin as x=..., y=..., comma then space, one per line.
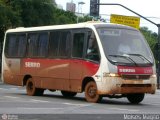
x=158, y=91
x=1, y=83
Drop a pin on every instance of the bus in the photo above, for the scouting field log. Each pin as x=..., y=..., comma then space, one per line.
x=99, y=59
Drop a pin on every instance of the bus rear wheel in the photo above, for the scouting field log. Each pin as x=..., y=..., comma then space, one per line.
x=135, y=98
x=32, y=90
x=68, y=94
x=91, y=92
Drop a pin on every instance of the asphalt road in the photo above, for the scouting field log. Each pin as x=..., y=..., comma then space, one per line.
x=14, y=103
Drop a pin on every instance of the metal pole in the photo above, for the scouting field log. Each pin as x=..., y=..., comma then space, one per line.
x=79, y=3
x=78, y=14
x=158, y=73
x=128, y=10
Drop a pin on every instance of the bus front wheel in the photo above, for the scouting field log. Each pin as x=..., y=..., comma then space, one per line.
x=32, y=90
x=135, y=98
x=91, y=92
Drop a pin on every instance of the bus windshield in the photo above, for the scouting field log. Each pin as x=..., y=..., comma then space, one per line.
x=125, y=46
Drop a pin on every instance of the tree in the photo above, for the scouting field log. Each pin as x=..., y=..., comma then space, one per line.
x=150, y=36
x=85, y=19
x=8, y=19
x=152, y=39
x=65, y=17
x=35, y=12
x=15, y=13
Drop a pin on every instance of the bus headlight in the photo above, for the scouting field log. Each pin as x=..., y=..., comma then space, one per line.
x=110, y=75
x=153, y=76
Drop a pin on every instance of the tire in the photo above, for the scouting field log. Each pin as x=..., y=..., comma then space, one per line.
x=68, y=94
x=91, y=92
x=135, y=98
x=32, y=90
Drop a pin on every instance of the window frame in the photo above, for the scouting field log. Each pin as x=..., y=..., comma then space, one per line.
x=38, y=36
x=75, y=31
x=47, y=45
x=17, y=34
x=61, y=31
x=71, y=31
x=86, y=47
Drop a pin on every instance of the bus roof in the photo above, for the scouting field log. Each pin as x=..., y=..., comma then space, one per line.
x=68, y=26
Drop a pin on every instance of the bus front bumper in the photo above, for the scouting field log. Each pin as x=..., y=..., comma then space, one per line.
x=117, y=85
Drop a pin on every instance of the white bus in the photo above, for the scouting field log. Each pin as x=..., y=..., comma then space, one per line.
x=99, y=59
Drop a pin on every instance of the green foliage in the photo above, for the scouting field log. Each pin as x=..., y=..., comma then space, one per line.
x=84, y=19
x=150, y=36
x=8, y=19
x=64, y=17
x=16, y=13
x=34, y=12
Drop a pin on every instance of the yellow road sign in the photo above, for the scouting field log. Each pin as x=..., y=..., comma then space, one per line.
x=125, y=20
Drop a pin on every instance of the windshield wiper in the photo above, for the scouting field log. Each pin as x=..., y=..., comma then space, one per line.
x=142, y=57
x=126, y=57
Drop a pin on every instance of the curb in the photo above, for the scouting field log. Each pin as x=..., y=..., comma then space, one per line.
x=1, y=83
x=158, y=90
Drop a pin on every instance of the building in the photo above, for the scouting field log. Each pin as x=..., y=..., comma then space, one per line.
x=71, y=7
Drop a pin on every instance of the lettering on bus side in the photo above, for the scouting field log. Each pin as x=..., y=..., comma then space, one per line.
x=32, y=64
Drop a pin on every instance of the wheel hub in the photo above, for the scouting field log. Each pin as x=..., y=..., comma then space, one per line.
x=92, y=92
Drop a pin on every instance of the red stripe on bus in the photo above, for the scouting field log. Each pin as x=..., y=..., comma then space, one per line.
x=64, y=67
x=134, y=70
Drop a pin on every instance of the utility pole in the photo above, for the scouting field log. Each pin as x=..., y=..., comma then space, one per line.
x=158, y=72
x=158, y=42
x=79, y=3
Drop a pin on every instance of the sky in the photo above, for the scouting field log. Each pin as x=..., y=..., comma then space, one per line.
x=147, y=8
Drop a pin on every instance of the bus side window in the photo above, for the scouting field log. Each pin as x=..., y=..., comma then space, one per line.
x=11, y=50
x=33, y=45
x=64, y=44
x=78, y=42
x=22, y=45
x=54, y=43
x=92, y=52
x=43, y=44
x=16, y=45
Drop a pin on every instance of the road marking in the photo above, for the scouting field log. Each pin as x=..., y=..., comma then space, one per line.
x=37, y=101
x=131, y=110
x=18, y=99
x=3, y=89
x=11, y=97
x=38, y=108
x=77, y=104
x=13, y=88
x=10, y=89
x=155, y=104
